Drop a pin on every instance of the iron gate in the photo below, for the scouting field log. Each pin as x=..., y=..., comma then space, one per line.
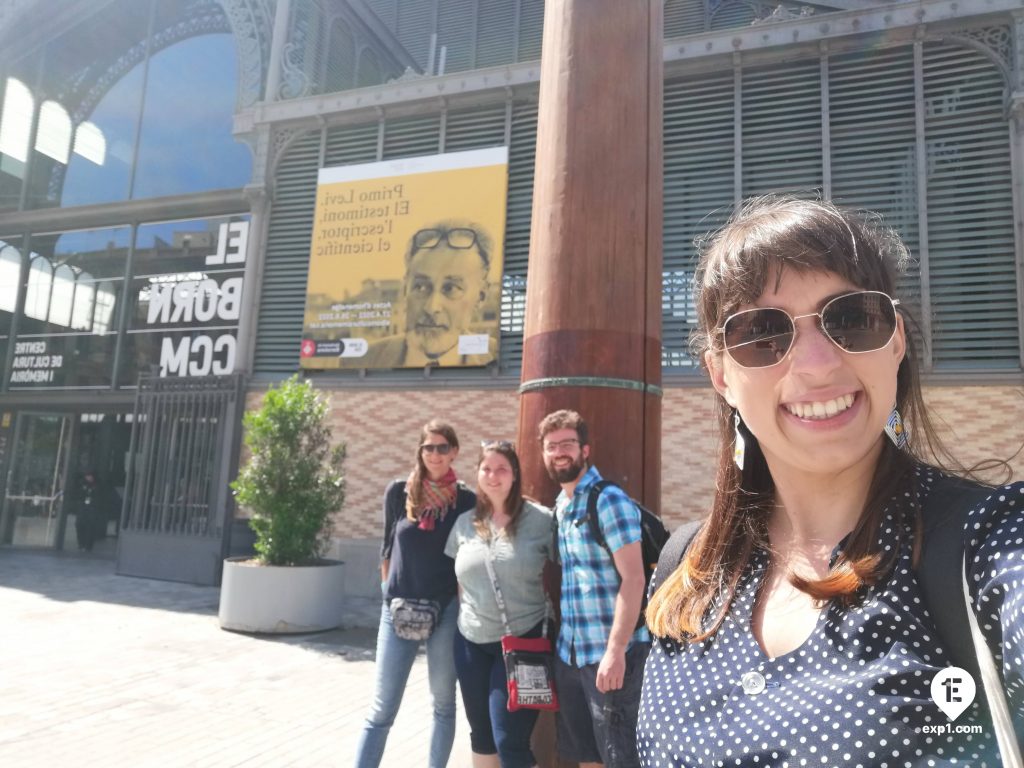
x=175, y=522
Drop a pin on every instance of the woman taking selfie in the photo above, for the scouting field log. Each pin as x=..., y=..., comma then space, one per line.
x=515, y=536
x=797, y=629
x=419, y=588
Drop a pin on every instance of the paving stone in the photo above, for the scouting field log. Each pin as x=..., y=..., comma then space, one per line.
x=108, y=671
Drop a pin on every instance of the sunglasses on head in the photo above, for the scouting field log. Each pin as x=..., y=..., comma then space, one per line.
x=863, y=321
x=502, y=444
x=442, y=449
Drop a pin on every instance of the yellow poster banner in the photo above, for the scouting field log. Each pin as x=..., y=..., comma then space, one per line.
x=406, y=263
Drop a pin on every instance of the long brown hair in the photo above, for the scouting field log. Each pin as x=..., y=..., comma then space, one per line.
x=514, y=502
x=767, y=236
x=414, y=486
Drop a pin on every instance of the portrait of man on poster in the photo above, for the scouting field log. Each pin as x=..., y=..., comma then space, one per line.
x=444, y=287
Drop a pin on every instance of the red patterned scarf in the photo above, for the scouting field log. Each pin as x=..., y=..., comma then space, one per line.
x=438, y=496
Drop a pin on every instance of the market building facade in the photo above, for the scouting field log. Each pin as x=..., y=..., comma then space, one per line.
x=158, y=180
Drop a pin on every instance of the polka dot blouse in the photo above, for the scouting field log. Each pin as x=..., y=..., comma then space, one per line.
x=857, y=691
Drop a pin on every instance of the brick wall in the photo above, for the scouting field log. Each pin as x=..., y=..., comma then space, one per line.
x=381, y=427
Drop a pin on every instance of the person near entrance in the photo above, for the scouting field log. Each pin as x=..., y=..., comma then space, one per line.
x=89, y=512
x=601, y=651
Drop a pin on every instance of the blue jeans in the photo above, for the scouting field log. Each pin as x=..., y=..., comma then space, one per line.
x=493, y=729
x=395, y=657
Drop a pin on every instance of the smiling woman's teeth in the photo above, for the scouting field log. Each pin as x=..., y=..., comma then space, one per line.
x=820, y=410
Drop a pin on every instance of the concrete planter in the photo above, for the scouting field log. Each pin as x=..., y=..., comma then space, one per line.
x=281, y=599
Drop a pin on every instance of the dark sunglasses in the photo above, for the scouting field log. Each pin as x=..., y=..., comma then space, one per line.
x=442, y=449
x=864, y=321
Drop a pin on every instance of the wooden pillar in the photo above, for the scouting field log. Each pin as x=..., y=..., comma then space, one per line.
x=592, y=340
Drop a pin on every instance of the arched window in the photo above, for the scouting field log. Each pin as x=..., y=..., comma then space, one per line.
x=368, y=69
x=90, y=143
x=53, y=137
x=62, y=296
x=341, y=58
x=16, y=123
x=10, y=275
x=153, y=117
x=40, y=282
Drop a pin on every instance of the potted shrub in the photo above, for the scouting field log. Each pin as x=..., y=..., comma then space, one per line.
x=292, y=483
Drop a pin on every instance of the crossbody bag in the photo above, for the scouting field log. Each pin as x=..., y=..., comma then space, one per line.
x=529, y=661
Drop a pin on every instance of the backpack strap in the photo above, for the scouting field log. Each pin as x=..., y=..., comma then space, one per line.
x=592, y=521
x=556, y=555
x=672, y=553
x=945, y=514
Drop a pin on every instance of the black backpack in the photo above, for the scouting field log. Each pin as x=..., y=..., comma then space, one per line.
x=944, y=512
x=652, y=540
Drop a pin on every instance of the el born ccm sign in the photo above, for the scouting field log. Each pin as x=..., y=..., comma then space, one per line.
x=178, y=299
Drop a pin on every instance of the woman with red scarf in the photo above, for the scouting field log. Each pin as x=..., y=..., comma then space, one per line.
x=419, y=586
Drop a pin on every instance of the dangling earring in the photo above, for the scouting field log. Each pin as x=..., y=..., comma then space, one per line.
x=895, y=430
x=739, y=443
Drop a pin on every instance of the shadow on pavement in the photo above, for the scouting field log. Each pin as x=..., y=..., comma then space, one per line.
x=68, y=577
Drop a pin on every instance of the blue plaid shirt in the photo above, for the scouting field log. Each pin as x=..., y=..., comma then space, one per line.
x=590, y=582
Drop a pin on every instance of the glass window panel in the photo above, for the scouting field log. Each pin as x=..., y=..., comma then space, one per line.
x=94, y=71
x=211, y=158
x=69, y=360
x=102, y=253
x=66, y=336
x=94, y=177
x=186, y=298
x=175, y=247
x=200, y=352
x=57, y=308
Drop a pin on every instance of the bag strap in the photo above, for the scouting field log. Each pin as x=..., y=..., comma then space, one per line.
x=672, y=553
x=998, y=708
x=945, y=515
x=400, y=493
x=500, y=599
x=592, y=519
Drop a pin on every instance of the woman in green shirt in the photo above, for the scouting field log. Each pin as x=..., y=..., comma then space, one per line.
x=516, y=535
